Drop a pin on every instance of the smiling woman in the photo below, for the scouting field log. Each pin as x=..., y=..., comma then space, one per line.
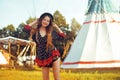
x=47, y=55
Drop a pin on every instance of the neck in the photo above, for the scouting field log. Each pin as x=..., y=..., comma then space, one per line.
x=42, y=31
x=42, y=28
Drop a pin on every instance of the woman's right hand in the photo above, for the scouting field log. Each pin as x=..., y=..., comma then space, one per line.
x=34, y=22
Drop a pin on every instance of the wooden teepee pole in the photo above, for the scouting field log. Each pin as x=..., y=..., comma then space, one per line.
x=9, y=50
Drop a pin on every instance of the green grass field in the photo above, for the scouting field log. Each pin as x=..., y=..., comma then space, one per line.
x=66, y=74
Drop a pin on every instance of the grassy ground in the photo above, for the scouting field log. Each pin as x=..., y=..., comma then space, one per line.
x=66, y=74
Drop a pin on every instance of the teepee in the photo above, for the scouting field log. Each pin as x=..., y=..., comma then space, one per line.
x=97, y=45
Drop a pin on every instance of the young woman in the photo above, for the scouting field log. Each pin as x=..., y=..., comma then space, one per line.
x=46, y=53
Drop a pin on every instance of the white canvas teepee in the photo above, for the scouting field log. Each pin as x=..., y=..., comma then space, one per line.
x=3, y=60
x=97, y=45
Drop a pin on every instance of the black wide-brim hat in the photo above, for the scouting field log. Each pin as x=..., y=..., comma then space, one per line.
x=47, y=14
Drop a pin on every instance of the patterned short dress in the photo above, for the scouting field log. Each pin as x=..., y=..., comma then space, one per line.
x=46, y=58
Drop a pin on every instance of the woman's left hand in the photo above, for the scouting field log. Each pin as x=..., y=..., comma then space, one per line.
x=57, y=27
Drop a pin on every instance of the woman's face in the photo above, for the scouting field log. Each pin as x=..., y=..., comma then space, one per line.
x=45, y=21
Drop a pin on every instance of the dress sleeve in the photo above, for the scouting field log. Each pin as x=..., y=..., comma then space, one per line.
x=58, y=36
x=27, y=28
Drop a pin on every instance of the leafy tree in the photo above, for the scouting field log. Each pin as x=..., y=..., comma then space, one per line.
x=75, y=27
x=20, y=33
x=30, y=20
x=7, y=31
x=4, y=32
x=60, y=20
x=10, y=29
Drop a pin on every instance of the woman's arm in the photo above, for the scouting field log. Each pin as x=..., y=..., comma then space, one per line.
x=31, y=28
x=33, y=23
x=58, y=35
x=56, y=26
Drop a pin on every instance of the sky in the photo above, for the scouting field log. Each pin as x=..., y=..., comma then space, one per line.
x=18, y=11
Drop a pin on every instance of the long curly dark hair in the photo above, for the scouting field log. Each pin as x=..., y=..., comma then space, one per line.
x=48, y=28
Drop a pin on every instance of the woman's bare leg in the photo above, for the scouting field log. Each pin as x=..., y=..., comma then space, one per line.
x=45, y=73
x=56, y=69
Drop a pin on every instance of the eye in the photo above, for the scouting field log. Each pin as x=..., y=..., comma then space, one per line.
x=46, y=20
